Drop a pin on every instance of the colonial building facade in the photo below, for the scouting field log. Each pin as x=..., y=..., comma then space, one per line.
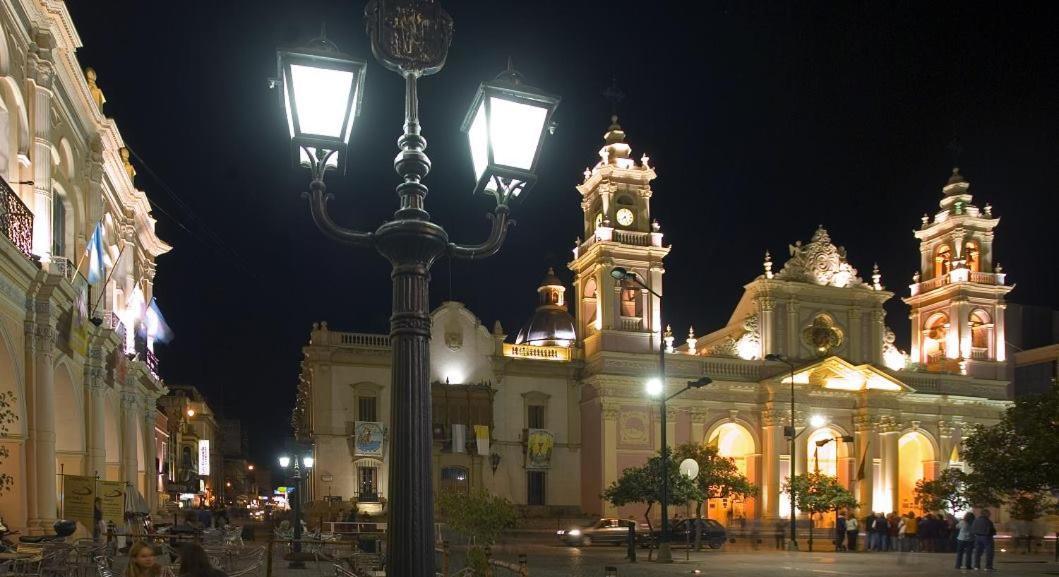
x=82, y=394
x=884, y=418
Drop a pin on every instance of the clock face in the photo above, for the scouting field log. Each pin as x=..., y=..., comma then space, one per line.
x=625, y=217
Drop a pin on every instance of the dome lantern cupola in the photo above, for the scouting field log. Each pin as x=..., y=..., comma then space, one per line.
x=551, y=324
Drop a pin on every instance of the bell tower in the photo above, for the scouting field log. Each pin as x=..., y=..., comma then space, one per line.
x=618, y=232
x=957, y=296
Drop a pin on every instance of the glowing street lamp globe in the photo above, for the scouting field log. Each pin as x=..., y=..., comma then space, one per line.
x=284, y=461
x=817, y=421
x=307, y=462
x=654, y=387
x=505, y=127
x=322, y=91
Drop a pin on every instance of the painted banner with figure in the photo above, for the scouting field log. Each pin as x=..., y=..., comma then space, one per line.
x=539, y=443
x=112, y=494
x=79, y=495
x=367, y=439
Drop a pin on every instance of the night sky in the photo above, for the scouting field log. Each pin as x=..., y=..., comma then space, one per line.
x=762, y=123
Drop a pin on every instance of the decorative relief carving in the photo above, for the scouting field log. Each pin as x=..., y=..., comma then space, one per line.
x=820, y=262
x=863, y=423
x=610, y=411
x=888, y=424
x=823, y=336
x=699, y=416
x=633, y=429
x=44, y=338
x=747, y=346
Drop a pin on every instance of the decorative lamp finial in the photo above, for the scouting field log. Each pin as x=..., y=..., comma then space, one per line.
x=925, y=219
x=768, y=265
x=645, y=161
x=998, y=269
x=691, y=340
x=988, y=210
x=876, y=278
x=587, y=173
x=655, y=226
x=668, y=338
x=956, y=176
x=915, y=277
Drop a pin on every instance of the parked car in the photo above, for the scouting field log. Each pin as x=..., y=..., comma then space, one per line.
x=606, y=530
x=713, y=533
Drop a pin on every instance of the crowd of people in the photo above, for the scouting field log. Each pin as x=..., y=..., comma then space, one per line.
x=194, y=562
x=930, y=533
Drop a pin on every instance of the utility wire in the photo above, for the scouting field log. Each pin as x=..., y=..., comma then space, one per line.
x=212, y=239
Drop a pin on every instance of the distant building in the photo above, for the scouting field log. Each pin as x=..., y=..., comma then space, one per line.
x=563, y=411
x=197, y=474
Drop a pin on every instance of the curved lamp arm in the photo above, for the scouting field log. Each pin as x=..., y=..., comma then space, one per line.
x=492, y=244
x=318, y=205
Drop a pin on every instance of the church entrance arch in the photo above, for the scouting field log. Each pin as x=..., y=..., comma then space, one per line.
x=733, y=441
x=915, y=462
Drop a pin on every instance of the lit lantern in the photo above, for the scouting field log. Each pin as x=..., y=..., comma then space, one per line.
x=322, y=91
x=505, y=128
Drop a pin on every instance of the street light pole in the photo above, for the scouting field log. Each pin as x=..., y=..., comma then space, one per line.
x=665, y=554
x=296, y=561
x=506, y=127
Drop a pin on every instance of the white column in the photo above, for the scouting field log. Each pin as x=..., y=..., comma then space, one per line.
x=129, y=417
x=856, y=337
x=150, y=485
x=945, y=431
x=609, y=449
x=877, y=328
x=772, y=439
x=1000, y=344
x=890, y=458
x=863, y=461
x=44, y=416
x=97, y=440
x=793, y=331
x=768, y=325
x=39, y=99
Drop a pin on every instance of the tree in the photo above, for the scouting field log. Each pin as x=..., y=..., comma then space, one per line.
x=718, y=477
x=1019, y=454
x=479, y=516
x=7, y=417
x=817, y=493
x=644, y=485
x=946, y=493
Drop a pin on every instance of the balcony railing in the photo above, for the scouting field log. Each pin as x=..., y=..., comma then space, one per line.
x=63, y=267
x=16, y=221
x=958, y=275
x=631, y=323
x=358, y=340
x=980, y=353
x=633, y=238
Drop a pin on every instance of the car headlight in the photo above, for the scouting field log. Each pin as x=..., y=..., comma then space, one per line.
x=574, y=532
x=560, y=532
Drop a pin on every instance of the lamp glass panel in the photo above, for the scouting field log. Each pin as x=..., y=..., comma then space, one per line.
x=515, y=131
x=478, y=139
x=290, y=113
x=322, y=96
x=284, y=462
x=307, y=462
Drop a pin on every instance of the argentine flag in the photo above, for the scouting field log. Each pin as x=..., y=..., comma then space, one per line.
x=96, y=273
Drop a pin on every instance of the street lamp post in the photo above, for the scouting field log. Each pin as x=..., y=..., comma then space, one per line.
x=505, y=126
x=298, y=461
x=656, y=388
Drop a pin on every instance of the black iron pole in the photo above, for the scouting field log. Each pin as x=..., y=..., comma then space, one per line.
x=296, y=560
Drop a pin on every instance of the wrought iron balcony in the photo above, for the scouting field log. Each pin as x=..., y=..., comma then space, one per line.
x=16, y=220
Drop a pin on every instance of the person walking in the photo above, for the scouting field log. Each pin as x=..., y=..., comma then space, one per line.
x=892, y=521
x=143, y=563
x=983, y=530
x=851, y=532
x=779, y=531
x=840, y=532
x=869, y=532
x=964, y=541
x=882, y=531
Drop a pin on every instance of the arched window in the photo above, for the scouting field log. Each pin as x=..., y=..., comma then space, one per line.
x=631, y=303
x=455, y=479
x=625, y=200
x=981, y=328
x=367, y=480
x=58, y=224
x=970, y=252
x=935, y=334
x=942, y=261
x=823, y=451
x=590, y=288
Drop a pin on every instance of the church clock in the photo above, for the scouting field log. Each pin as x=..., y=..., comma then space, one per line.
x=625, y=217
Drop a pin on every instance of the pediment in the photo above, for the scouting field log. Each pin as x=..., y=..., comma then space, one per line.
x=837, y=374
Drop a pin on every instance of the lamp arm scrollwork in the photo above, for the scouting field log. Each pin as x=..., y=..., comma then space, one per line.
x=492, y=245
x=318, y=198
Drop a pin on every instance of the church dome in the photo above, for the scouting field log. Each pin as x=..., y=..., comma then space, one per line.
x=551, y=324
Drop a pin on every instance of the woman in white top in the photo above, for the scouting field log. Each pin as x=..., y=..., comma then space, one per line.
x=964, y=540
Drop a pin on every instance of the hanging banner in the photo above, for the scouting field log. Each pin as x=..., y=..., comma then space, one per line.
x=79, y=496
x=481, y=438
x=79, y=317
x=367, y=439
x=539, y=443
x=204, y=457
x=459, y=438
x=112, y=495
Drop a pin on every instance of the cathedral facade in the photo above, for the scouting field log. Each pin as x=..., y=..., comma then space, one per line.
x=552, y=418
